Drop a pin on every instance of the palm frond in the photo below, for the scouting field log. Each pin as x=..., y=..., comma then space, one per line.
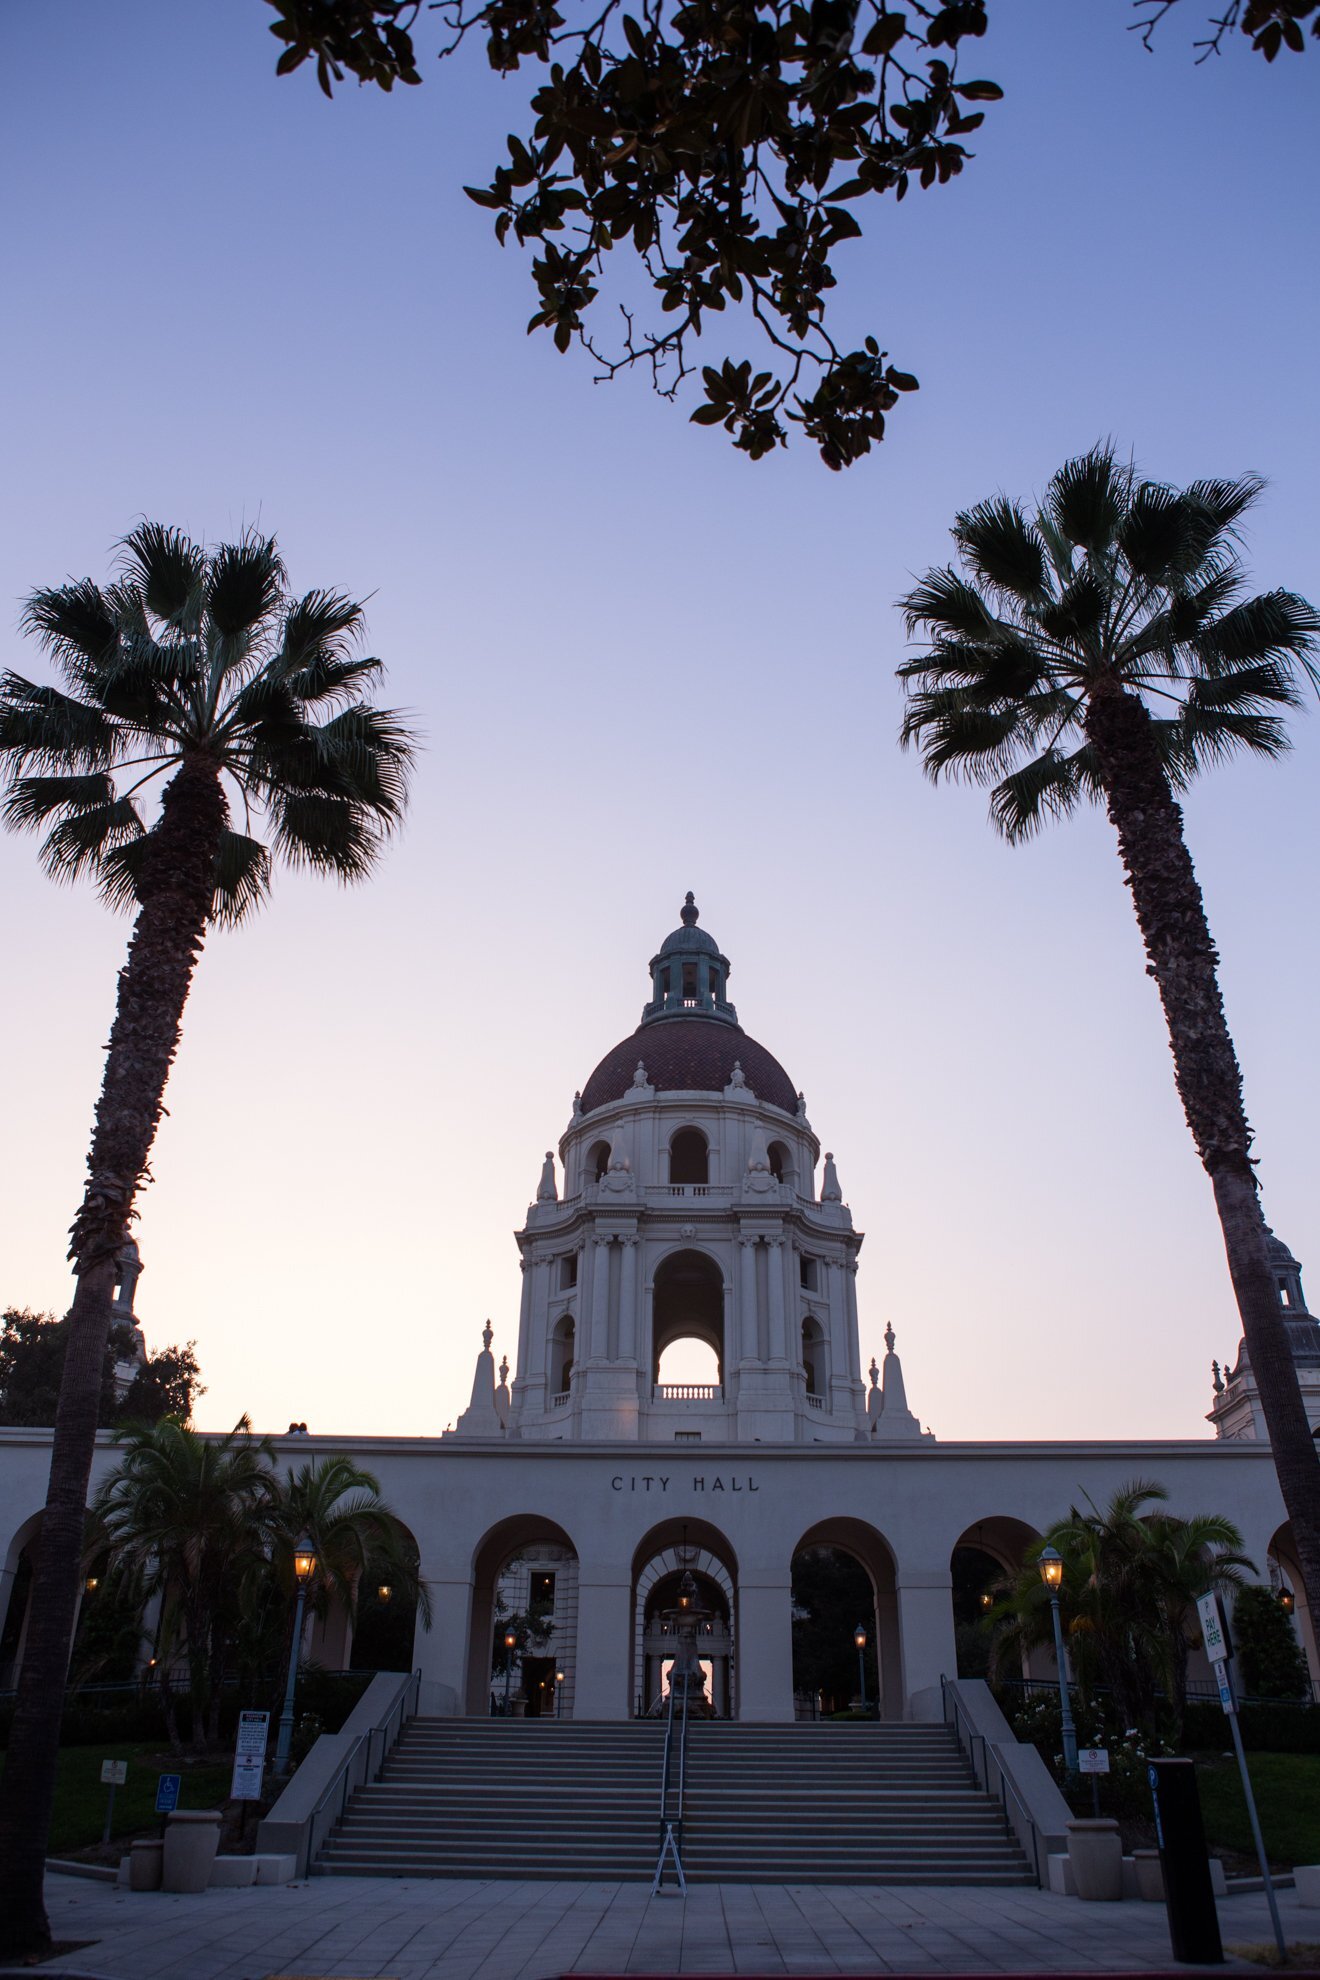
x=119, y=874
x=1086, y=498
x=1079, y=610
x=959, y=739
x=320, y=626
x=1266, y=684
x=43, y=728
x=171, y=572
x=75, y=623
x=1213, y=735
x=372, y=749
x=945, y=603
x=242, y=879
x=32, y=800
x=1274, y=625
x=328, y=834
x=244, y=585
x=1154, y=532
x=80, y=841
x=1050, y=786
x=1003, y=548
x=1219, y=505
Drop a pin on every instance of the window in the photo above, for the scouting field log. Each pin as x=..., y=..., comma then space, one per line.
x=687, y=1436
x=568, y=1272
x=808, y=1273
x=541, y=1595
x=598, y=1159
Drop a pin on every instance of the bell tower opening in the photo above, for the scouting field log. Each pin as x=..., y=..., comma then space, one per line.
x=689, y=1157
x=688, y=1306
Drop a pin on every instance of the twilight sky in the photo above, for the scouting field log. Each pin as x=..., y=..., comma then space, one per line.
x=642, y=664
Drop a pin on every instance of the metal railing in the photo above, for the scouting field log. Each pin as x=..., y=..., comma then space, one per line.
x=671, y=1814
x=970, y=1740
x=1197, y=1692
x=362, y=1763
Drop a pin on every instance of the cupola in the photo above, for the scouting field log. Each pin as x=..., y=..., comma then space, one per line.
x=689, y=976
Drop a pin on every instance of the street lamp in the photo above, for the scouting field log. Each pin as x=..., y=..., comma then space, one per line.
x=859, y=1638
x=1050, y=1563
x=510, y=1641
x=384, y=1592
x=1287, y=1601
x=559, y=1693
x=304, y=1567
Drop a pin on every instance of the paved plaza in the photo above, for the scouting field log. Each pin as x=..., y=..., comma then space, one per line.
x=370, y=1928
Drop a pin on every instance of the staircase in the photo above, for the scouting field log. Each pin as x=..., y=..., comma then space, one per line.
x=848, y=1804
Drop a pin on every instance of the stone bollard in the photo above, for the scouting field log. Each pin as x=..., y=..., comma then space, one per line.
x=1150, y=1876
x=192, y=1838
x=1096, y=1854
x=145, y=1863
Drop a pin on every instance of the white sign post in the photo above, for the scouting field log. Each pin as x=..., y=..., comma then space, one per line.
x=249, y=1756
x=113, y=1773
x=1093, y=1760
x=1219, y=1649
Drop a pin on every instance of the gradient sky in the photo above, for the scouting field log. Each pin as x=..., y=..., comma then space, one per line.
x=644, y=664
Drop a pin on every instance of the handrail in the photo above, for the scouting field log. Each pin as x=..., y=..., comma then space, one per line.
x=671, y=1826
x=344, y=1781
x=968, y=1737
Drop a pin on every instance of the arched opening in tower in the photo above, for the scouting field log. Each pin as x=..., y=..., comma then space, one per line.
x=687, y=1313
x=689, y=1157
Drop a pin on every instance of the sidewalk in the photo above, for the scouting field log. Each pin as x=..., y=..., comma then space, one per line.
x=367, y=1928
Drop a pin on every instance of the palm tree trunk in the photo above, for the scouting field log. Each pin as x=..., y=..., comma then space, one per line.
x=176, y=894
x=1182, y=958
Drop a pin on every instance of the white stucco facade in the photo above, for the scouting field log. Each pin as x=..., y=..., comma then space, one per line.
x=689, y=1201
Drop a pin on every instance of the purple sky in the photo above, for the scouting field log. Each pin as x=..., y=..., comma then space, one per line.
x=644, y=664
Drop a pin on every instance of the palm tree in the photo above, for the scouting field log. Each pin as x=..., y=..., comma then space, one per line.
x=1102, y=648
x=197, y=672
x=337, y=1506
x=1131, y=1579
x=188, y=1518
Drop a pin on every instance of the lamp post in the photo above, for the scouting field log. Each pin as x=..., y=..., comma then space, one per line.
x=304, y=1567
x=559, y=1693
x=1050, y=1563
x=384, y=1593
x=859, y=1638
x=510, y=1641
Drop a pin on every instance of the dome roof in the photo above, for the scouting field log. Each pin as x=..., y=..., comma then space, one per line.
x=690, y=1054
x=689, y=939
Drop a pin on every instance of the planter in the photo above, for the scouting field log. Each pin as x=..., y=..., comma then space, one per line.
x=1095, y=1852
x=1150, y=1877
x=192, y=1838
x=146, y=1864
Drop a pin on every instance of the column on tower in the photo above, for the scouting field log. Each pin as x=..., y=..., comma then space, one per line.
x=777, y=1341
x=628, y=1299
x=746, y=1326
x=598, y=1330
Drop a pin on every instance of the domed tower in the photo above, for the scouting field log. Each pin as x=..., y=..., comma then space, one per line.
x=688, y=1212
x=1236, y=1410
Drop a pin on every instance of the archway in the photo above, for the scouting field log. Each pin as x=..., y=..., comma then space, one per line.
x=687, y=1304
x=1282, y=1561
x=689, y=1158
x=15, y=1589
x=985, y=1561
x=525, y=1579
x=563, y=1348
x=843, y=1576
x=668, y=1552
x=385, y=1625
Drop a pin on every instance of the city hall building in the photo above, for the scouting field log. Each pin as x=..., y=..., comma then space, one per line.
x=690, y=1199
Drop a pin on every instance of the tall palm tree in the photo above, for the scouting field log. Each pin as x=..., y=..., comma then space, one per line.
x=196, y=673
x=189, y=1518
x=1102, y=648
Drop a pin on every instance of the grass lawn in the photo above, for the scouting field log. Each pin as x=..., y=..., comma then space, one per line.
x=80, y=1798
x=1287, y=1787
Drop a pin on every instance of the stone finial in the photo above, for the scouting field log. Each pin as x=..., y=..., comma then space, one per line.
x=689, y=914
x=874, y=1372
x=890, y=1337
x=896, y=1420
x=546, y=1191
x=504, y=1368
x=483, y=1416
x=802, y=1106
x=487, y=1336
x=1217, y=1378
x=639, y=1076
x=738, y=1077
x=830, y=1191
x=577, y=1106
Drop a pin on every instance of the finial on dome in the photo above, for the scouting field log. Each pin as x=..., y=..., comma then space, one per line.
x=874, y=1372
x=487, y=1336
x=890, y=1336
x=689, y=914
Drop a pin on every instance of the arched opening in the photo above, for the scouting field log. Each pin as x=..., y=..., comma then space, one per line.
x=16, y=1567
x=525, y=1585
x=385, y=1622
x=689, y=1157
x=688, y=1306
x=813, y=1355
x=562, y=1341
x=668, y=1552
x=985, y=1562
x=598, y=1159
x=843, y=1580
x=781, y=1161
x=1283, y=1569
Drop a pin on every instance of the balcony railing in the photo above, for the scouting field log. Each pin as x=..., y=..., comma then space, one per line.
x=815, y=1402
x=687, y=1392
x=560, y=1401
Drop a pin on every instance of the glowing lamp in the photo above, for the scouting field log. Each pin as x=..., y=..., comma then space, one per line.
x=1050, y=1563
